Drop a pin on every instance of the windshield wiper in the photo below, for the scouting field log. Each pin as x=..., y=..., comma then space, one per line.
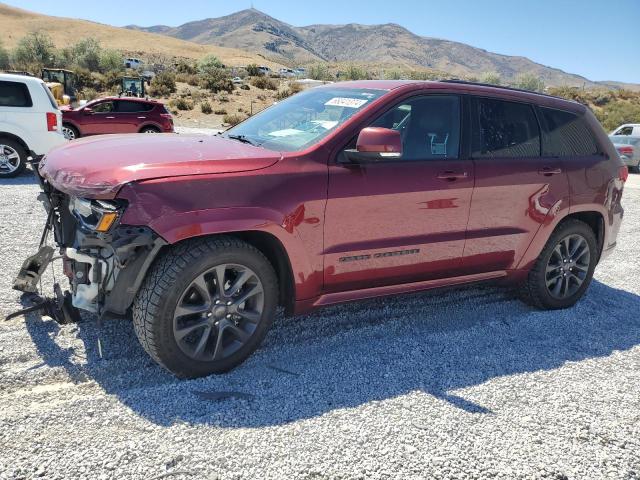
x=241, y=138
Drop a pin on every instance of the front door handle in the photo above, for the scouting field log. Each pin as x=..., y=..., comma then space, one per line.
x=549, y=171
x=142, y=118
x=451, y=175
x=110, y=118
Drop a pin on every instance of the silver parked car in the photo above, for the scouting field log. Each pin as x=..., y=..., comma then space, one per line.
x=629, y=149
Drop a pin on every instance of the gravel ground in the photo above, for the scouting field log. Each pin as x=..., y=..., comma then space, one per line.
x=467, y=383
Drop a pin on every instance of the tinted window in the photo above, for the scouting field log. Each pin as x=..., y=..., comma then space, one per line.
x=430, y=127
x=505, y=129
x=567, y=134
x=14, y=94
x=102, y=107
x=625, y=131
x=125, y=106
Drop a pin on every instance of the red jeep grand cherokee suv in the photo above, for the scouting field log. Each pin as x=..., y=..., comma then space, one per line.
x=116, y=115
x=339, y=193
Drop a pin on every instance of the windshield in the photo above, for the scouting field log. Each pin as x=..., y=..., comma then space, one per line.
x=303, y=119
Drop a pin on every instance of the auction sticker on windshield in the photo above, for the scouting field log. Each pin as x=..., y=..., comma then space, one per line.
x=346, y=102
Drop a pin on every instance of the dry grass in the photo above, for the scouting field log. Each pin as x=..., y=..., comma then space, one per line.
x=15, y=23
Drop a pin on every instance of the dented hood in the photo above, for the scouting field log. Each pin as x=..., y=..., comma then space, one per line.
x=97, y=167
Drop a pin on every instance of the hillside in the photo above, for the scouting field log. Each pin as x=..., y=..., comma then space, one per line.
x=390, y=44
x=15, y=23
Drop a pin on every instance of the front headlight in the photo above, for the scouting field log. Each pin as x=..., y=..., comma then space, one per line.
x=96, y=215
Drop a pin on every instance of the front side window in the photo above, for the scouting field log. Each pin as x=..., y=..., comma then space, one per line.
x=125, y=106
x=303, y=119
x=14, y=94
x=504, y=130
x=102, y=107
x=567, y=134
x=624, y=131
x=429, y=126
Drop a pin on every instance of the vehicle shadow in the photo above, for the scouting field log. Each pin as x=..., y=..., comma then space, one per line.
x=25, y=178
x=436, y=343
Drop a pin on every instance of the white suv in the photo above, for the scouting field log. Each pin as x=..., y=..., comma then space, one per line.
x=30, y=122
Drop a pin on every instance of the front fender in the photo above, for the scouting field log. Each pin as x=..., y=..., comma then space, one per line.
x=177, y=227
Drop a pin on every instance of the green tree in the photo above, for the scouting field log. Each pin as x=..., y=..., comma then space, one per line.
x=209, y=64
x=87, y=53
x=4, y=57
x=34, y=51
x=530, y=82
x=492, y=78
x=110, y=60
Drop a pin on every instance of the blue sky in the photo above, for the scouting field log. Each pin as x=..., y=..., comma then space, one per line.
x=595, y=38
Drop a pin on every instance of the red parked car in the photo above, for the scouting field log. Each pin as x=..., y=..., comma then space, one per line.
x=116, y=115
x=339, y=193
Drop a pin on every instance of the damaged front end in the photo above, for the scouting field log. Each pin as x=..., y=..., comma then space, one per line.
x=104, y=260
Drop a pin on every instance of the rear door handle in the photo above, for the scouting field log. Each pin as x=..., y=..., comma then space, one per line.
x=110, y=118
x=451, y=176
x=142, y=118
x=548, y=171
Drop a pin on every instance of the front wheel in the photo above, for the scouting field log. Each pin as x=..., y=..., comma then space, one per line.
x=564, y=269
x=13, y=158
x=206, y=306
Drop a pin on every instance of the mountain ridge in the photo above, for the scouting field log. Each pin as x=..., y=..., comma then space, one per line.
x=388, y=44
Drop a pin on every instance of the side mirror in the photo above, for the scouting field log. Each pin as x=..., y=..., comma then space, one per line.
x=375, y=144
x=87, y=111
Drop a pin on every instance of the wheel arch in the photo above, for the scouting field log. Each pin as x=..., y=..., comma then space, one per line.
x=150, y=124
x=17, y=139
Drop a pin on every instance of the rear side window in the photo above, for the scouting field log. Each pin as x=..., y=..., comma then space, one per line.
x=125, y=106
x=14, y=94
x=567, y=135
x=505, y=130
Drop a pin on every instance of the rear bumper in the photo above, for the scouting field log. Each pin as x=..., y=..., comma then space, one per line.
x=45, y=142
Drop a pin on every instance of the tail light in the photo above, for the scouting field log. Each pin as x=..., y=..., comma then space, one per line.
x=52, y=121
x=626, y=150
x=623, y=173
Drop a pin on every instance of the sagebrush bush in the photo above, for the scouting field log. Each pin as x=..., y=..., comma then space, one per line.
x=245, y=87
x=220, y=111
x=205, y=107
x=183, y=104
x=233, y=119
x=163, y=85
x=264, y=83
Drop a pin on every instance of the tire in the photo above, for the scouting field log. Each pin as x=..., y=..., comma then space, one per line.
x=13, y=158
x=550, y=267
x=176, y=284
x=149, y=130
x=70, y=132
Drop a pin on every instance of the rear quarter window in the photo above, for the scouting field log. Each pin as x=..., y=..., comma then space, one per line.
x=504, y=129
x=567, y=134
x=125, y=106
x=14, y=94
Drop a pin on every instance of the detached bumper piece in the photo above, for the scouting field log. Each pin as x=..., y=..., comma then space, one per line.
x=59, y=308
x=32, y=269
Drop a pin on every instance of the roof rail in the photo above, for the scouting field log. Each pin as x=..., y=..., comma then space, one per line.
x=467, y=82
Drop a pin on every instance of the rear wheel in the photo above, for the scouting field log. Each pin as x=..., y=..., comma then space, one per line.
x=13, y=158
x=70, y=132
x=149, y=130
x=564, y=269
x=206, y=306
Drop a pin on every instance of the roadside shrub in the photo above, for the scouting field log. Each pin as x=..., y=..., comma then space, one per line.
x=253, y=70
x=4, y=57
x=88, y=94
x=492, y=78
x=393, y=75
x=34, y=51
x=220, y=111
x=264, y=83
x=319, y=71
x=261, y=97
x=354, y=72
x=205, y=108
x=292, y=89
x=233, y=119
x=209, y=64
x=188, y=78
x=182, y=67
x=529, y=82
x=163, y=85
x=216, y=80
x=182, y=104
x=245, y=87
x=110, y=60
x=424, y=75
x=223, y=98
